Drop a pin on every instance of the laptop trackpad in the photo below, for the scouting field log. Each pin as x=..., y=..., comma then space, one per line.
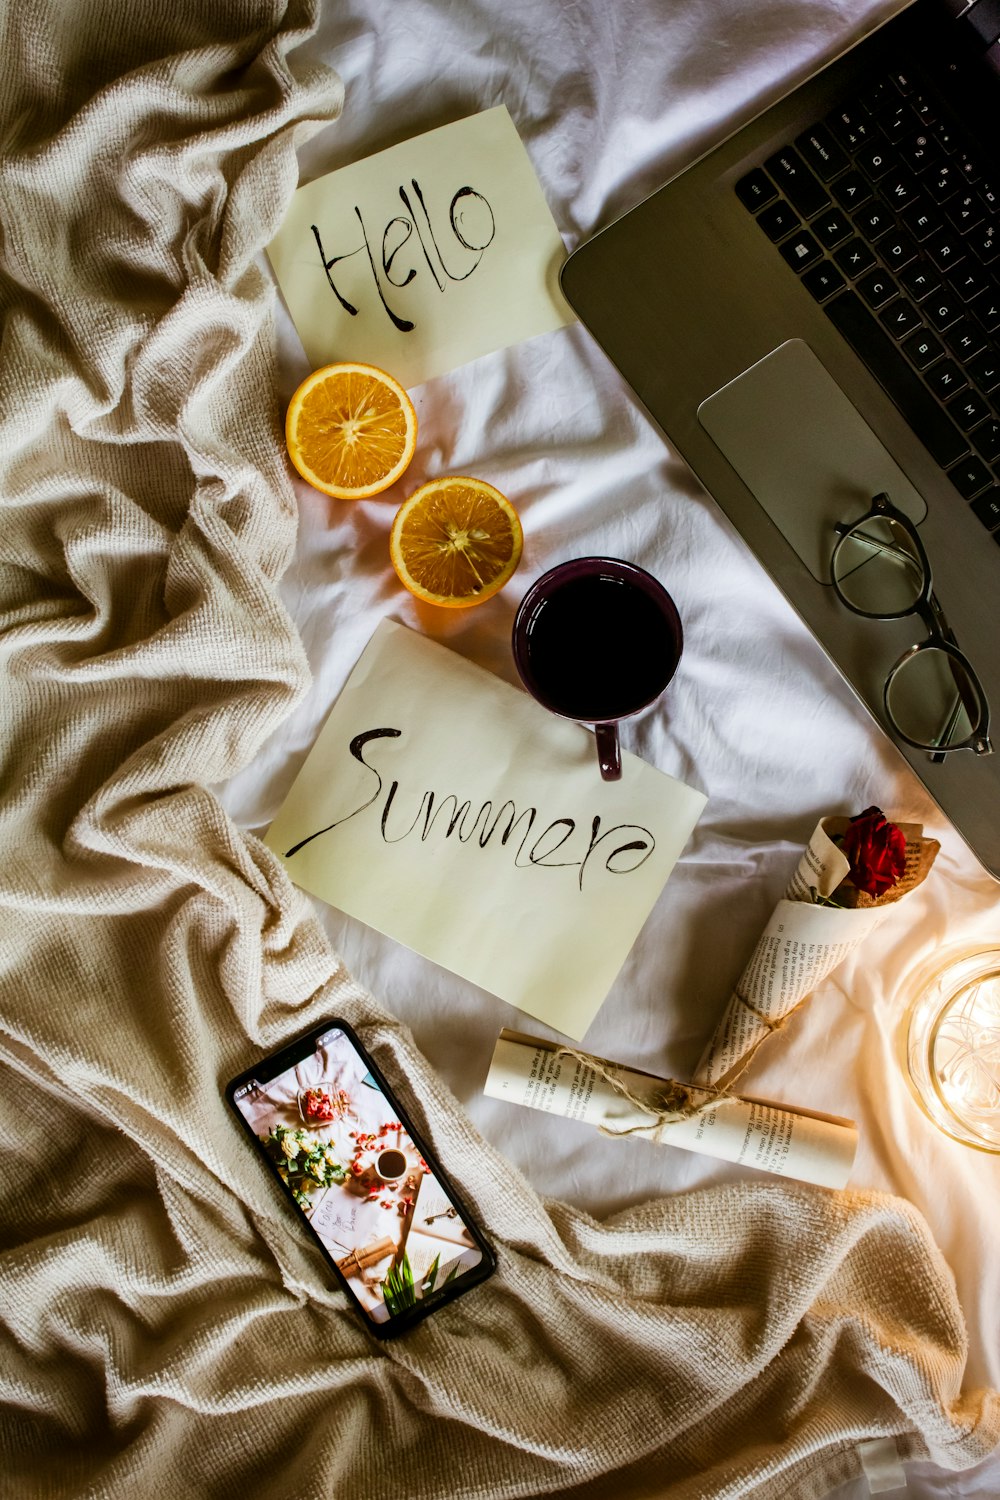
x=803, y=450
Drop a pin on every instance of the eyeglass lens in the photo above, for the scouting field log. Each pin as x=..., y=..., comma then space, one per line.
x=930, y=696
x=877, y=568
x=932, y=700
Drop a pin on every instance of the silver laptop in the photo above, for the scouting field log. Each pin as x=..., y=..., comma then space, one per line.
x=811, y=314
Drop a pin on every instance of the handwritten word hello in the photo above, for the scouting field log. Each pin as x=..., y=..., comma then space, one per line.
x=619, y=850
x=472, y=228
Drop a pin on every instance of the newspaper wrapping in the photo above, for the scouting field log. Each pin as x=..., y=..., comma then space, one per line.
x=803, y=942
x=622, y=1101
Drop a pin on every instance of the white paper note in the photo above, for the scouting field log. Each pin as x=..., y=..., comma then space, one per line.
x=445, y=808
x=773, y=1138
x=424, y=256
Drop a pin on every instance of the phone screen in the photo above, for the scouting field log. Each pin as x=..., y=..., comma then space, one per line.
x=383, y=1212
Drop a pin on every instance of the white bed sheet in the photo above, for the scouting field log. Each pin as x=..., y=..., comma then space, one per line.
x=609, y=100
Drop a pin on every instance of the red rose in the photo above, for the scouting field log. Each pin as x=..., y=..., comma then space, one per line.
x=877, y=851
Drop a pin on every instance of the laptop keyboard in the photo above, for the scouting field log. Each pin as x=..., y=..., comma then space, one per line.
x=891, y=219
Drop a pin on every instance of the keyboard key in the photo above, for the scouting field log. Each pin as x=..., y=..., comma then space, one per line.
x=946, y=379
x=965, y=338
x=876, y=158
x=855, y=257
x=873, y=220
x=755, y=189
x=881, y=97
x=985, y=242
x=900, y=318
x=777, y=220
x=920, y=152
x=984, y=369
x=850, y=126
x=803, y=191
x=801, y=250
x=920, y=279
x=897, y=250
x=897, y=124
x=968, y=410
x=987, y=310
x=969, y=476
x=820, y=151
x=922, y=219
x=970, y=281
x=851, y=190
x=876, y=349
x=899, y=189
x=943, y=309
x=987, y=508
x=877, y=288
x=925, y=109
x=943, y=182
x=986, y=440
x=945, y=250
x=831, y=228
x=947, y=138
x=967, y=211
x=823, y=280
x=968, y=167
x=922, y=348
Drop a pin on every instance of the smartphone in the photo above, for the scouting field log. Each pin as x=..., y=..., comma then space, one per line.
x=385, y=1217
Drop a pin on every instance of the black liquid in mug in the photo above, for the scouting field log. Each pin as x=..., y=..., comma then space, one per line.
x=599, y=648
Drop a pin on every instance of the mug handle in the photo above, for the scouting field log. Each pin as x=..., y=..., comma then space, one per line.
x=609, y=751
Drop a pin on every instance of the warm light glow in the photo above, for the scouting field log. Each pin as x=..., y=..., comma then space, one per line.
x=954, y=1050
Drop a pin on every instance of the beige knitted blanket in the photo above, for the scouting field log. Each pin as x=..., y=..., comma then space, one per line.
x=165, y=1329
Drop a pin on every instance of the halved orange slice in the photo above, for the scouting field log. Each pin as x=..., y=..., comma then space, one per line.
x=455, y=541
x=350, y=430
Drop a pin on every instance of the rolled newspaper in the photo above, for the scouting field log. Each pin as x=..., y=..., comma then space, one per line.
x=366, y=1255
x=622, y=1101
x=804, y=941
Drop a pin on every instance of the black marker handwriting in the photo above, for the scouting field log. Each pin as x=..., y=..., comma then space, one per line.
x=472, y=226
x=356, y=748
x=559, y=844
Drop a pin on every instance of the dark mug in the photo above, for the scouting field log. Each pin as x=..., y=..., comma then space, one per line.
x=597, y=639
x=390, y=1164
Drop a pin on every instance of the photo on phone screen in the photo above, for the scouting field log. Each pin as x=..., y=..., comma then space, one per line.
x=382, y=1211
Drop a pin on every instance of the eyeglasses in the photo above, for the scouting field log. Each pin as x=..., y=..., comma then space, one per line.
x=933, y=698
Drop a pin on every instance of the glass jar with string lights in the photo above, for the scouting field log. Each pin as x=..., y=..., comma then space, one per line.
x=953, y=1049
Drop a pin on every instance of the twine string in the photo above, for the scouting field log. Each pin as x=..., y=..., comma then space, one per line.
x=672, y=1100
x=771, y=1024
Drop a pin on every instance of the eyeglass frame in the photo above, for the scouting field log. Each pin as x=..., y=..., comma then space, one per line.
x=940, y=635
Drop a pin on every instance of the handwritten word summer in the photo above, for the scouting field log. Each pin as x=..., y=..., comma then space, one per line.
x=619, y=849
x=469, y=231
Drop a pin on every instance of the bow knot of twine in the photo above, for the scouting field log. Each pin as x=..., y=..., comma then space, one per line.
x=672, y=1100
x=669, y=1102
